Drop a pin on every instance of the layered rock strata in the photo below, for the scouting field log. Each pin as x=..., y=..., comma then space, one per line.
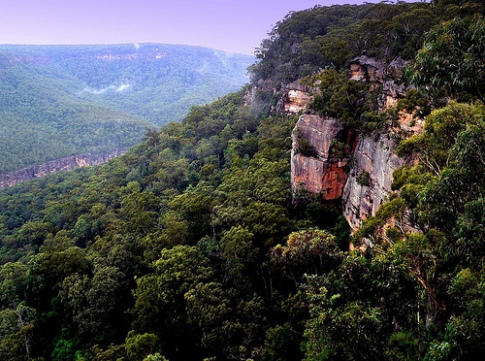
x=322, y=172
x=59, y=165
x=363, y=183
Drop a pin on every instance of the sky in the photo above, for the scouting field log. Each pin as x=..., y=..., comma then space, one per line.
x=236, y=26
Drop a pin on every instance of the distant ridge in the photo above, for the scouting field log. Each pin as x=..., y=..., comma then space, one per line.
x=58, y=100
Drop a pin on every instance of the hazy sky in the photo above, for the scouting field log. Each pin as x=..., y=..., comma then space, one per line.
x=231, y=25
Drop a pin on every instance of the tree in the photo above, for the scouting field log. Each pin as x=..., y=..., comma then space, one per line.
x=139, y=347
x=239, y=255
x=14, y=278
x=160, y=303
x=452, y=58
x=17, y=320
x=310, y=251
x=16, y=332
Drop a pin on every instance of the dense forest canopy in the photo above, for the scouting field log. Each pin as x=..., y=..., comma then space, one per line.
x=309, y=41
x=66, y=100
x=189, y=247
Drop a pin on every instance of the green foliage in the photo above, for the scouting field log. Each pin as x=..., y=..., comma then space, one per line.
x=139, y=347
x=116, y=245
x=440, y=131
x=16, y=332
x=97, y=99
x=416, y=102
x=364, y=179
x=189, y=247
x=451, y=58
x=307, y=41
x=349, y=101
x=156, y=82
x=312, y=251
x=155, y=357
x=402, y=346
x=306, y=149
x=282, y=343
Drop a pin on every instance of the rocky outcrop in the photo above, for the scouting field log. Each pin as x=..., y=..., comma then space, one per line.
x=364, y=183
x=296, y=101
x=54, y=166
x=366, y=69
x=314, y=165
x=375, y=157
x=389, y=76
x=296, y=97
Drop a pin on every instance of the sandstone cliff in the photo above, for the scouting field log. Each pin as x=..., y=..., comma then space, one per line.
x=361, y=176
x=58, y=165
x=370, y=178
x=324, y=172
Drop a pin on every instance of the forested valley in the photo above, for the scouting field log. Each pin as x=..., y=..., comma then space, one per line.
x=192, y=246
x=58, y=101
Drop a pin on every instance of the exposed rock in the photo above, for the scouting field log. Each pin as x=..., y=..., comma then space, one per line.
x=307, y=173
x=59, y=165
x=409, y=125
x=296, y=97
x=388, y=76
x=296, y=101
x=328, y=174
x=318, y=131
x=396, y=68
x=376, y=157
x=334, y=180
x=323, y=173
x=366, y=69
x=296, y=85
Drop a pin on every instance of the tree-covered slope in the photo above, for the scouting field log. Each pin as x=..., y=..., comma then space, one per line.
x=309, y=41
x=190, y=247
x=41, y=120
x=56, y=101
x=155, y=81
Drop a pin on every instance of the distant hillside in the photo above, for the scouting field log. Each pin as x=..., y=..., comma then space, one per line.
x=156, y=81
x=57, y=101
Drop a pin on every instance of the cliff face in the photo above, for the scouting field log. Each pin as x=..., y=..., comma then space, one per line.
x=323, y=172
x=369, y=181
x=53, y=166
x=364, y=183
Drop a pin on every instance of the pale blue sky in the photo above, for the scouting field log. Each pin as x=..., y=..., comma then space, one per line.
x=230, y=25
